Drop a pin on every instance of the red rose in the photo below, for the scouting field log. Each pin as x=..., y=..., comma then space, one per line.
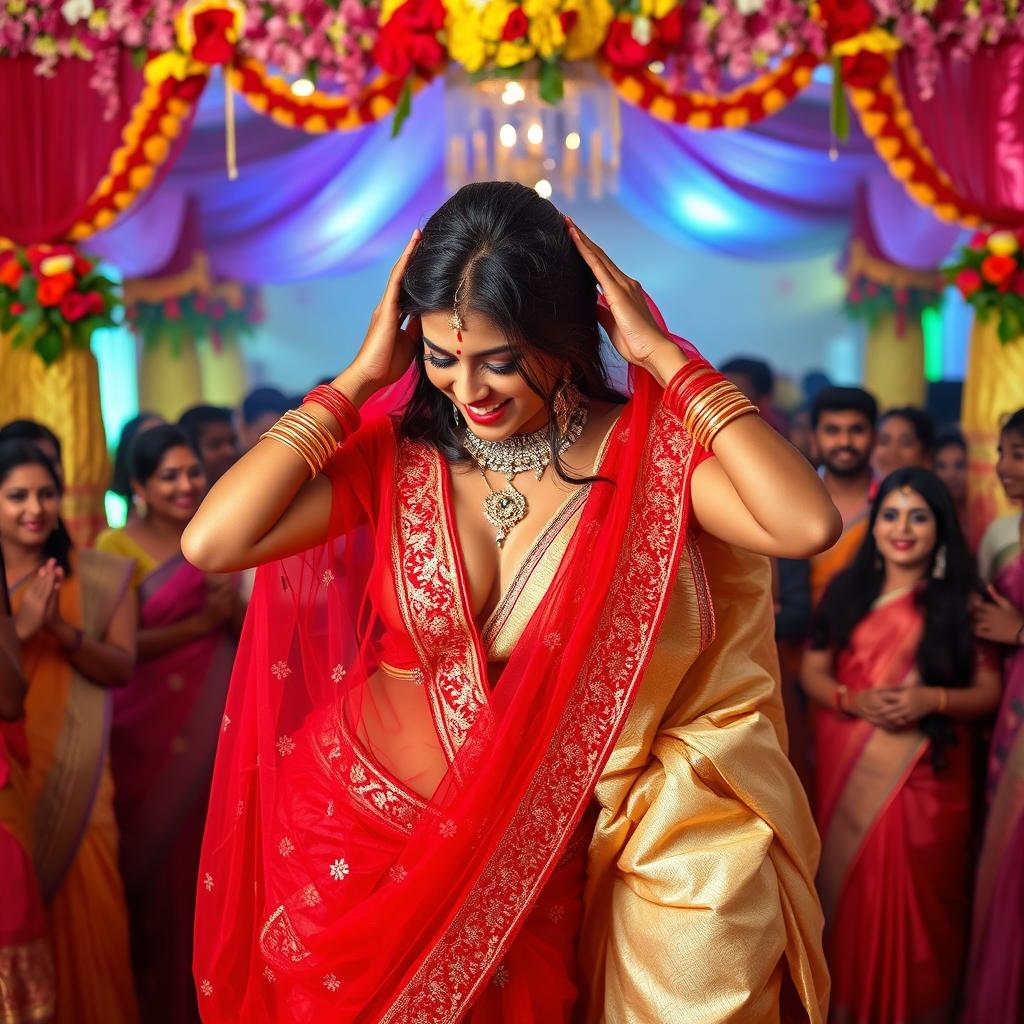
x=95, y=303
x=211, y=30
x=172, y=309
x=11, y=273
x=17, y=309
x=846, y=18
x=968, y=281
x=979, y=240
x=74, y=306
x=623, y=50
x=865, y=70
x=421, y=15
x=996, y=269
x=568, y=19
x=409, y=40
x=53, y=289
x=670, y=28
x=36, y=254
x=900, y=296
x=516, y=26
x=82, y=266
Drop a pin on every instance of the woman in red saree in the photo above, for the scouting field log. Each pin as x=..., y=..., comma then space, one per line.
x=27, y=988
x=893, y=666
x=166, y=721
x=76, y=627
x=995, y=990
x=515, y=781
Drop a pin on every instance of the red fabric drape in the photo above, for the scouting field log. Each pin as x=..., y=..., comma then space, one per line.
x=974, y=125
x=56, y=145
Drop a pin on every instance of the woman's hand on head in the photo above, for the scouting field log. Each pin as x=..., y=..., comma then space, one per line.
x=628, y=318
x=388, y=348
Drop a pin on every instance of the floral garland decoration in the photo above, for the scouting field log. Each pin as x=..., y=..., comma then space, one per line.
x=989, y=272
x=869, y=301
x=51, y=296
x=227, y=312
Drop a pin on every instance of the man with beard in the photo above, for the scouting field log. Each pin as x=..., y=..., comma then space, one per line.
x=843, y=425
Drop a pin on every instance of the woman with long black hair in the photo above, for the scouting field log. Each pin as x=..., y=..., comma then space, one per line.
x=893, y=665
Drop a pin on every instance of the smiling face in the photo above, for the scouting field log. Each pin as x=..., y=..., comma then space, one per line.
x=1010, y=466
x=843, y=440
x=481, y=377
x=29, y=506
x=905, y=531
x=174, y=491
x=897, y=445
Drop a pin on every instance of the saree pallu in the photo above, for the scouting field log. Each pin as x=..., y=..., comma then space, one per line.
x=67, y=720
x=341, y=881
x=995, y=990
x=162, y=745
x=895, y=871
x=27, y=986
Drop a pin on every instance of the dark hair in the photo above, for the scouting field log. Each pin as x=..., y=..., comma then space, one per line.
x=920, y=422
x=194, y=421
x=17, y=453
x=149, y=448
x=949, y=439
x=121, y=482
x=509, y=254
x=759, y=372
x=260, y=401
x=30, y=430
x=1014, y=423
x=945, y=654
x=843, y=400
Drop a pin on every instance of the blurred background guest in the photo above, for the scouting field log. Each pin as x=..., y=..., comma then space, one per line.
x=754, y=377
x=905, y=437
x=121, y=482
x=41, y=436
x=260, y=410
x=949, y=461
x=75, y=622
x=211, y=431
x=167, y=720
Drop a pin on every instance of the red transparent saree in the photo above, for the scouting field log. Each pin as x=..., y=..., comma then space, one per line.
x=394, y=834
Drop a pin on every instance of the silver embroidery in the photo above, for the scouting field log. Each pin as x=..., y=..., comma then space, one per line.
x=331, y=982
x=206, y=987
x=285, y=745
x=208, y=882
x=310, y=896
x=338, y=673
x=339, y=869
x=281, y=670
x=286, y=847
x=269, y=975
x=328, y=578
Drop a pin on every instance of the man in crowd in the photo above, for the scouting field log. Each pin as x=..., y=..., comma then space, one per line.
x=211, y=429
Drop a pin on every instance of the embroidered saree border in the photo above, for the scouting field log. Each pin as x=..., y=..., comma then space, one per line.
x=485, y=925
x=66, y=802
x=27, y=984
x=432, y=598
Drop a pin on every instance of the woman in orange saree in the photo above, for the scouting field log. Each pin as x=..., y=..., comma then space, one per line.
x=893, y=667
x=503, y=739
x=995, y=992
x=26, y=966
x=166, y=719
x=75, y=622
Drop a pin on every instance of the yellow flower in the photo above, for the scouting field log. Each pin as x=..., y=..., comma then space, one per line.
x=387, y=8
x=98, y=19
x=44, y=46
x=79, y=49
x=466, y=46
x=493, y=18
x=511, y=54
x=16, y=6
x=590, y=29
x=54, y=265
x=657, y=8
x=1002, y=243
x=546, y=35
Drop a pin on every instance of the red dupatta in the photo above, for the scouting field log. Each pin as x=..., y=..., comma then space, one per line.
x=327, y=886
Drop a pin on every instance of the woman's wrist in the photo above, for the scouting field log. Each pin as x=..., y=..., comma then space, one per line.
x=665, y=361
x=67, y=636
x=357, y=386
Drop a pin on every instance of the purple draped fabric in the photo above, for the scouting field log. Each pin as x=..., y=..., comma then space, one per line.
x=305, y=205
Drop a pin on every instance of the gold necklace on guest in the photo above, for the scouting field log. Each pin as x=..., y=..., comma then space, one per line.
x=508, y=507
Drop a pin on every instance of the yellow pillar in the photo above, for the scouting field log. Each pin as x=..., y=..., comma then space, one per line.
x=894, y=363
x=993, y=388
x=169, y=379
x=223, y=372
x=64, y=396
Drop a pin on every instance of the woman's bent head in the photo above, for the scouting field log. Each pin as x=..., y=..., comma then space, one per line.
x=167, y=476
x=502, y=256
x=1010, y=466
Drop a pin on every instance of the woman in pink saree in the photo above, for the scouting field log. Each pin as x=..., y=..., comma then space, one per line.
x=894, y=669
x=503, y=738
x=166, y=721
x=996, y=974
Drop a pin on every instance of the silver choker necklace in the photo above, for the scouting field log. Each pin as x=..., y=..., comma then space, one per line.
x=519, y=453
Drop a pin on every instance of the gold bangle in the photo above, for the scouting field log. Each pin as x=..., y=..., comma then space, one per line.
x=311, y=431
x=329, y=440
x=943, y=701
x=725, y=416
x=275, y=435
x=700, y=407
x=313, y=455
x=718, y=400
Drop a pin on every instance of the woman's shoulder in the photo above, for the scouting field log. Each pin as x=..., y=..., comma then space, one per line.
x=113, y=541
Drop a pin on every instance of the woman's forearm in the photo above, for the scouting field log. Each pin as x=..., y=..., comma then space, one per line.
x=231, y=530
x=154, y=642
x=103, y=663
x=13, y=686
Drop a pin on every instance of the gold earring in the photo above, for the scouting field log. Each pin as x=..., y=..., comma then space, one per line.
x=567, y=398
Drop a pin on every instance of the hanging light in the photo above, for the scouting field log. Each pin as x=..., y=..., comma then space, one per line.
x=303, y=87
x=501, y=129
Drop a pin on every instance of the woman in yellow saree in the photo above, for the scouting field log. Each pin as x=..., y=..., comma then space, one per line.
x=76, y=625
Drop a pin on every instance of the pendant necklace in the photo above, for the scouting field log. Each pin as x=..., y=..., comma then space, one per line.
x=507, y=507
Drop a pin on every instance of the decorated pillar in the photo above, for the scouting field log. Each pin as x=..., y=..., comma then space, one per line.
x=51, y=301
x=990, y=275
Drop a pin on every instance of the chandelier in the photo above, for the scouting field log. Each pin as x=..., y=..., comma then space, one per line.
x=501, y=129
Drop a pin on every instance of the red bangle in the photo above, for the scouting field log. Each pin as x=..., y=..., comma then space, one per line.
x=680, y=398
x=337, y=404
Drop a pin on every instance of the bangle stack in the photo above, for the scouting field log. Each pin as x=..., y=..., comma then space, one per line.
x=306, y=436
x=337, y=404
x=705, y=401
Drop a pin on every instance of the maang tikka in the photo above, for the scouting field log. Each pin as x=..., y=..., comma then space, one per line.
x=455, y=321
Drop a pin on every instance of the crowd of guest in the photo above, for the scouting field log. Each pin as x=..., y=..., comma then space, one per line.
x=902, y=679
